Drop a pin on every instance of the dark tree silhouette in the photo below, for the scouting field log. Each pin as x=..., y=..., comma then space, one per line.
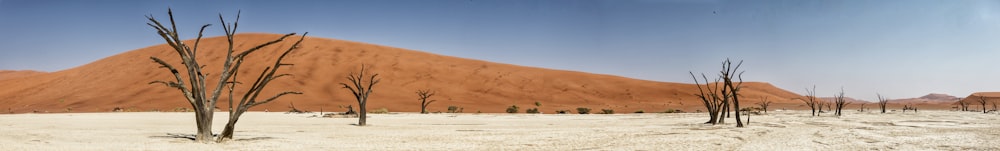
x=882, y=102
x=361, y=92
x=840, y=102
x=717, y=99
x=424, y=94
x=811, y=101
x=982, y=102
x=203, y=99
x=764, y=103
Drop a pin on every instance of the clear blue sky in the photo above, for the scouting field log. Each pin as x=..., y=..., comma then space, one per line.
x=901, y=48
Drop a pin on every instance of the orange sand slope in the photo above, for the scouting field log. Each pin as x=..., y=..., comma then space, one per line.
x=321, y=64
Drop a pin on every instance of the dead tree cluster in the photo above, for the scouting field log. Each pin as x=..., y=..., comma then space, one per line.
x=717, y=100
x=840, y=102
x=982, y=102
x=909, y=107
x=361, y=89
x=811, y=101
x=202, y=98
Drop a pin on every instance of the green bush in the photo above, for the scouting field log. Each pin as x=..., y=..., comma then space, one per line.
x=562, y=111
x=454, y=109
x=583, y=110
x=532, y=111
x=607, y=111
x=513, y=109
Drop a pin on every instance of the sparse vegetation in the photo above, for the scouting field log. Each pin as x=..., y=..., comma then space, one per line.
x=532, y=111
x=424, y=94
x=562, y=111
x=360, y=91
x=513, y=109
x=454, y=109
x=673, y=111
x=195, y=90
x=583, y=110
x=380, y=111
x=607, y=111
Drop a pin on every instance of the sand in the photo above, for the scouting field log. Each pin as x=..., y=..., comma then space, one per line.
x=787, y=130
x=321, y=64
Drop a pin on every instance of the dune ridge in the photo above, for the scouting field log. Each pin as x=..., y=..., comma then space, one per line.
x=321, y=64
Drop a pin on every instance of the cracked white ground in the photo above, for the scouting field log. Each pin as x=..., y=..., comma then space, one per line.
x=787, y=130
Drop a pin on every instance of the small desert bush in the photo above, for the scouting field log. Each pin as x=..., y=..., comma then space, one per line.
x=673, y=111
x=181, y=109
x=532, y=111
x=513, y=109
x=454, y=109
x=640, y=111
x=607, y=111
x=562, y=111
x=583, y=110
x=380, y=111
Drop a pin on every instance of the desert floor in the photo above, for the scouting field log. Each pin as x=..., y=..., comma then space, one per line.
x=779, y=130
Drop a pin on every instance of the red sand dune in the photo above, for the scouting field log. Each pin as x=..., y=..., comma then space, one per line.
x=974, y=98
x=11, y=74
x=320, y=64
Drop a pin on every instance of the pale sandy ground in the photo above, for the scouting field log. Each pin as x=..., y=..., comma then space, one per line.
x=789, y=130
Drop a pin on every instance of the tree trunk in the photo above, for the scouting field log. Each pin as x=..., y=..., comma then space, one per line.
x=204, y=123
x=227, y=132
x=363, y=114
x=736, y=104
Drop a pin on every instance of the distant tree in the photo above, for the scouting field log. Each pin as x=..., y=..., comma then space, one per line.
x=361, y=92
x=763, y=104
x=811, y=101
x=862, y=107
x=424, y=94
x=882, y=101
x=964, y=105
x=982, y=102
x=840, y=102
x=202, y=98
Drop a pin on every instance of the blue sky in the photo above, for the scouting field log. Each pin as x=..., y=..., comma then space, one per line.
x=898, y=48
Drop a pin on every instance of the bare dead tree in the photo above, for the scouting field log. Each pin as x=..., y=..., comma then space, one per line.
x=840, y=102
x=195, y=90
x=709, y=97
x=964, y=105
x=763, y=104
x=424, y=94
x=982, y=102
x=882, y=102
x=728, y=73
x=863, y=106
x=717, y=99
x=811, y=101
x=360, y=91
